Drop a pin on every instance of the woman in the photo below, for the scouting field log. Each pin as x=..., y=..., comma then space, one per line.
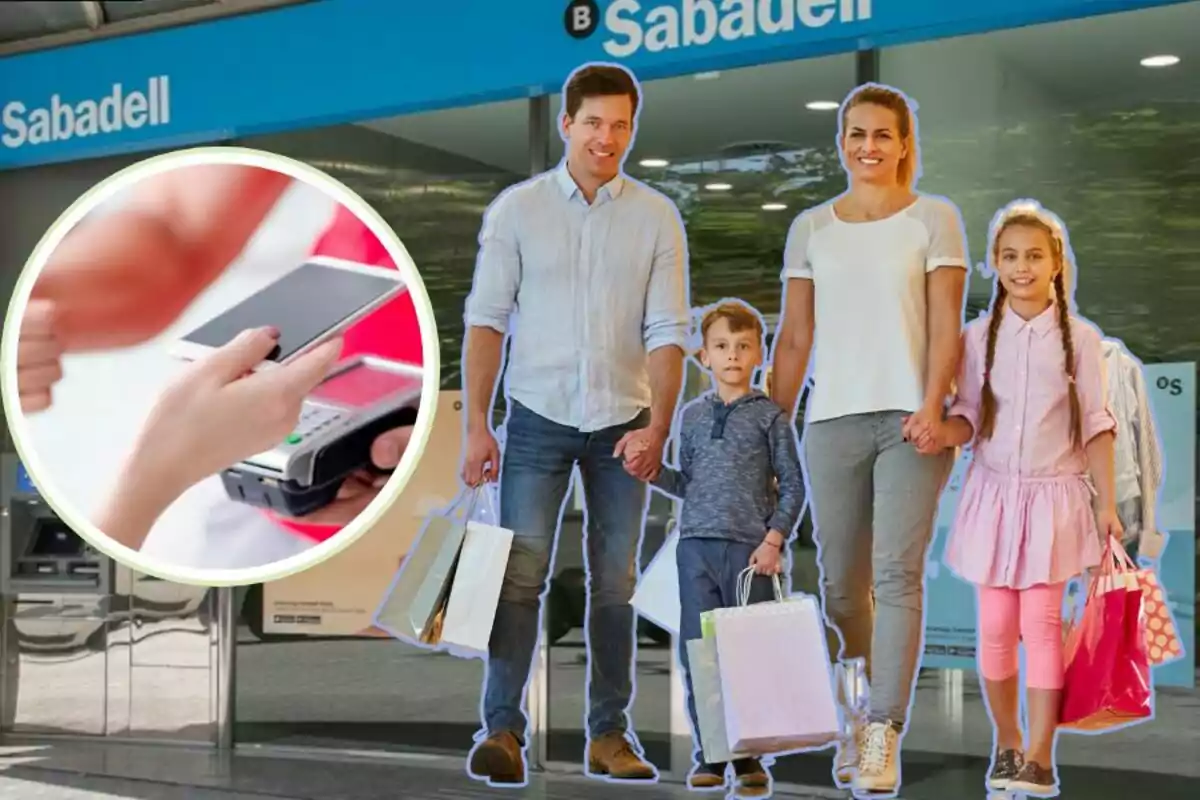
x=877, y=275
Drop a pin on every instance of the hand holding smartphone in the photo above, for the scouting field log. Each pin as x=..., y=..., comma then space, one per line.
x=310, y=305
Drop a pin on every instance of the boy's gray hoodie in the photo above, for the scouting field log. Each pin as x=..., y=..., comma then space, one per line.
x=730, y=456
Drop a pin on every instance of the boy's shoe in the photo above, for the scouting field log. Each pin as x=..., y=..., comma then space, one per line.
x=612, y=756
x=498, y=760
x=878, y=763
x=707, y=778
x=752, y=778
x=845, y=760
x=1036, y=780
x=1005, y=770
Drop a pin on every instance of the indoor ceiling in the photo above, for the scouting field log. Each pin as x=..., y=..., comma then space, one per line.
x=32, y=24
x=967, y=81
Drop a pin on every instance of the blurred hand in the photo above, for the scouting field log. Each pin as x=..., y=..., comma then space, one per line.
x=39, y=357
x=926, y=431
x=767, y=559
x=361, y=487
x=481, y=463
x=1108, y=523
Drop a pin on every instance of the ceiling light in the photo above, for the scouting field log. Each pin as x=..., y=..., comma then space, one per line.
x=654, y=162
x=707, y=76
x=774, y=206
x=1160, y=61
x=822, y=105
x=719, y=187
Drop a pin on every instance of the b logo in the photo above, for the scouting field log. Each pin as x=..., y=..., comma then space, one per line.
x=581, y=18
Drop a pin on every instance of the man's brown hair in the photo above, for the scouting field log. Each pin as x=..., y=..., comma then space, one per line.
x=599, y=81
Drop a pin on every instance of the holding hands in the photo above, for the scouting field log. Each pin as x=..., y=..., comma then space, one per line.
x=927, y=431
x=642, y=450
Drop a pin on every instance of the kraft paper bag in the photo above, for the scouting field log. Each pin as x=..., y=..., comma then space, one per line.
x=657, y=594
x=710, y=708
x=776, y=680
x=413, y=607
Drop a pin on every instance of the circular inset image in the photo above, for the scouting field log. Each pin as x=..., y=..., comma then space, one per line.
x=220, y=367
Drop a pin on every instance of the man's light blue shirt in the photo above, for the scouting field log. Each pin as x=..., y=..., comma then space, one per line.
x=587, y=292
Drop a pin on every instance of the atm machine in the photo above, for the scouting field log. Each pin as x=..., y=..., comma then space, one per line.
x=56, y=591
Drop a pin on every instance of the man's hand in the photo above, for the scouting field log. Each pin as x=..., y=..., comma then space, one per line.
x=642, y=451
x=361, y=487
x=39, y=355
x=481, y=463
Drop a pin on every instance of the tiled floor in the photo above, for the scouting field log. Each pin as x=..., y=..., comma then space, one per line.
x=103, y=771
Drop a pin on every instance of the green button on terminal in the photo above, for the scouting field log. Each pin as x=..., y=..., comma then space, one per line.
x=294, y=438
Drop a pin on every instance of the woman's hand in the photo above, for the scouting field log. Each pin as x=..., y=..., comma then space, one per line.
x=39, y=357
x=925, y=429
x=215, y=414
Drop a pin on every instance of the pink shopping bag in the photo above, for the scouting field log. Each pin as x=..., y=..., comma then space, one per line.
x=776, y=679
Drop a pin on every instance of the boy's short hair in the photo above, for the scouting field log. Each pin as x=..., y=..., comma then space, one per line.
x=740, y=317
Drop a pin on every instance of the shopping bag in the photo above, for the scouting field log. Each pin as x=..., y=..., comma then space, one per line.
x=710, y=708
x=656, y=596
x=413, y=606
x=1107, y=682
x=1163, y=644
x=776, y=679
x=475, y=587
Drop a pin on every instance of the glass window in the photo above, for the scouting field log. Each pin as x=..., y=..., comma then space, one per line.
x=1068, y=114
x=430, y=176
x=741, y=153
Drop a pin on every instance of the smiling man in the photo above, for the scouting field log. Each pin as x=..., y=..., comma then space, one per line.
x=596, y=264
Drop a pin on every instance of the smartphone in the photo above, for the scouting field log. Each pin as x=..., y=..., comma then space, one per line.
x=310, y=305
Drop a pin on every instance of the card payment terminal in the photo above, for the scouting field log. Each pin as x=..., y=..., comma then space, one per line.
x=363, y=397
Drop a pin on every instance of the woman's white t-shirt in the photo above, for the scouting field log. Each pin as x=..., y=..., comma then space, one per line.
x=869, y=295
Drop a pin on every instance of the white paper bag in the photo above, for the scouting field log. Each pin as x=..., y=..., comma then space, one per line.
x=705, y=676
x=776, y=680
x=657, y=594
x=475, y=591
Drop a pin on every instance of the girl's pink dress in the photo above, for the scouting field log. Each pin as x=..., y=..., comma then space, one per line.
x=391, y=331
x=1025, y=515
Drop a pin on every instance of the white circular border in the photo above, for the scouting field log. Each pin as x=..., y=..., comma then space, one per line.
x=300, y=171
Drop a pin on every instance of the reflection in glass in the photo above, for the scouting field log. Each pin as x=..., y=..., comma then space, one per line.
x=431, y=177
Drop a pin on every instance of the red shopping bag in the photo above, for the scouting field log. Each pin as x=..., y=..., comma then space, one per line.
x=1108, y=672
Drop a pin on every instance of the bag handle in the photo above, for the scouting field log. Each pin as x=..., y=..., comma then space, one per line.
x=746, y=583
x=1115, y=561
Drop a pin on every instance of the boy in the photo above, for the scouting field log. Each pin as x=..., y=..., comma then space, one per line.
x=735, y=445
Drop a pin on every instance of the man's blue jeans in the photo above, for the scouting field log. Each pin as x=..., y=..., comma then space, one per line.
x=539, y=456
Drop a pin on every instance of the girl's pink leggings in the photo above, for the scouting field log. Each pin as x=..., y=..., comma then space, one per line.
x=1033, y=616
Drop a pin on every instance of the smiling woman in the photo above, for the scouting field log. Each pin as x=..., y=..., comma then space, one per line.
x=891, y=267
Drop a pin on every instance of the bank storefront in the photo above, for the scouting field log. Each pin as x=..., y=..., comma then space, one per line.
x=428, y=111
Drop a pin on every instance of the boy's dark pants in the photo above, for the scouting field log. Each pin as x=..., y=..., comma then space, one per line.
x=708, y=579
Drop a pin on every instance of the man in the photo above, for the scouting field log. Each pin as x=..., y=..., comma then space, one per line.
x=596, y=265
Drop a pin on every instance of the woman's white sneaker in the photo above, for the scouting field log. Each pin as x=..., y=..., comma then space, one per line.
x=878, y=760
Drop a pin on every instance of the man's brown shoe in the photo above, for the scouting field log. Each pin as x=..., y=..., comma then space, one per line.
x=612, y=756
x=752, y=779
x=498, y=760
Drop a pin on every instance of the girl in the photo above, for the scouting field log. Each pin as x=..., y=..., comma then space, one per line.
x=1031, y=398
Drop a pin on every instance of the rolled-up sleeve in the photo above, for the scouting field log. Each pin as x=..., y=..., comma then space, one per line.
x=497, y=268
x=947, y=237
x=668, y=310
x=1091, y=383
x=968, y=390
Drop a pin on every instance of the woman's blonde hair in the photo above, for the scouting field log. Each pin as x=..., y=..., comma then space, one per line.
x=876, y=94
